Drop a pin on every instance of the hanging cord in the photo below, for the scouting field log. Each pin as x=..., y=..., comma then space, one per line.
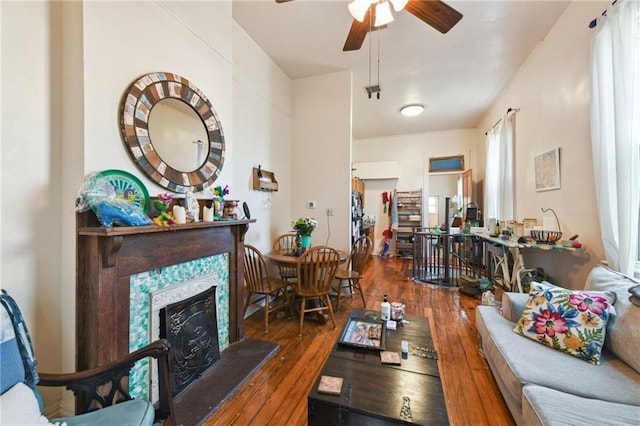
x=378, y=37
x=370, y=29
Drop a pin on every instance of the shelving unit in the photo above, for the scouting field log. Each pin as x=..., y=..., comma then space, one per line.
x=264, y=180
x=357, y=204
x=409, y=217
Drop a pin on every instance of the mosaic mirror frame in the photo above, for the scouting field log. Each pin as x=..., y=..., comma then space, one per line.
x=135, y=109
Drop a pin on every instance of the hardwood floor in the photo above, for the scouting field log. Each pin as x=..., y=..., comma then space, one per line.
x=277, y=393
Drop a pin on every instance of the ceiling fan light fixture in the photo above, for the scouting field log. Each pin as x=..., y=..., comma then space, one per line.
x=383, y=14
x=359, y=8
x=411, y=110
x=398, y=5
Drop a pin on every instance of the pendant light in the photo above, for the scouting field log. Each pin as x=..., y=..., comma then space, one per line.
x=358, y=9
x=383, y=14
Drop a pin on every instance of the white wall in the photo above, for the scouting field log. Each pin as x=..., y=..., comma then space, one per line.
x=161, y=37
x=30, y=173
x=552, y=92
x=412, y=152
x=321, y=154
x=262, y=136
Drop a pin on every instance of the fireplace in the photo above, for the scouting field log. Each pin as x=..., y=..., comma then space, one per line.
x=152, y=291
x=107, y=258
x=190, y=326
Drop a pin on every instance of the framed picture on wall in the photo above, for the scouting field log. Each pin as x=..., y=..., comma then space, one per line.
x=446, y=164
x=547, y=168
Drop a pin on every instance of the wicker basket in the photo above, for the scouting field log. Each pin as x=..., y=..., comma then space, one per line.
x=545, y=237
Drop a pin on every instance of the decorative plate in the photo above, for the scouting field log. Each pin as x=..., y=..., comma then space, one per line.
x=128, y=187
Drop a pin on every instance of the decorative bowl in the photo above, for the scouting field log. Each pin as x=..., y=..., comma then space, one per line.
x=545, y=237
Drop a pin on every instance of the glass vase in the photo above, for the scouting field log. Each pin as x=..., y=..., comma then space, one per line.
x=305, y=241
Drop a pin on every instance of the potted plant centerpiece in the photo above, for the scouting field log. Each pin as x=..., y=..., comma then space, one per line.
x=304, y=226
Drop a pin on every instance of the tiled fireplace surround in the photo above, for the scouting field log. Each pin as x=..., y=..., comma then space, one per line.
x=118, y=267
x=153, y=290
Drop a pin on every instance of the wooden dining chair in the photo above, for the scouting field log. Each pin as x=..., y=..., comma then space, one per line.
x=316, y=270
x=349, y=277
x=286, y=243
x=257, y=281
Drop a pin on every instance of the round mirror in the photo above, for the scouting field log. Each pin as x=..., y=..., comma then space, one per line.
x=179, y=136
x=171, y=132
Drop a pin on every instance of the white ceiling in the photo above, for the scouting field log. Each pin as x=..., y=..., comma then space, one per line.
x=456, y=76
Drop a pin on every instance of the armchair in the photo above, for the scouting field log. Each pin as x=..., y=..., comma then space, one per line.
x=105, y=399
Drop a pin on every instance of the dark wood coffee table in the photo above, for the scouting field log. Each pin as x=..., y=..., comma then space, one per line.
x=378, y=394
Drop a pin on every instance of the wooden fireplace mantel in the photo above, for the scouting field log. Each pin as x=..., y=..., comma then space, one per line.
x=107, y=257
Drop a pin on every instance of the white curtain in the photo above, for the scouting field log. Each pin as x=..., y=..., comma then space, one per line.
x=499, y=198
x=615, y=131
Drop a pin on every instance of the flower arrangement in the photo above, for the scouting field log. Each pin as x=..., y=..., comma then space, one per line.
x=218, y=197
x=165, y=218
x=219, y=192
x=304, y=225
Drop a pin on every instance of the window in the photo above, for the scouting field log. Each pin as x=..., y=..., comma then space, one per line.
x=499, y=170
x=615, y=133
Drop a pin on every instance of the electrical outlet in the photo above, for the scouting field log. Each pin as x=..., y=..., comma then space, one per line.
x=329, y=212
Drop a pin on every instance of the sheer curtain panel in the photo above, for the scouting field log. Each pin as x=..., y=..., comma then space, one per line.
x=499, y=200
x=615, y=131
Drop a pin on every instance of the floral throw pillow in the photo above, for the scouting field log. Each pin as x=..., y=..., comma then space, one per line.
x=573, y=322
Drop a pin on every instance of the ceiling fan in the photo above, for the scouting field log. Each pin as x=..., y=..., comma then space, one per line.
x=433, y=12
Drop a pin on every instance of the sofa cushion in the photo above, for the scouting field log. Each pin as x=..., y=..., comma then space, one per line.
x=11, y=371
x=513, y=305
x=623, y=334
x=573, y=322
x=19, y=406
x=516, y=361
x=136, y=412
x=544, y=406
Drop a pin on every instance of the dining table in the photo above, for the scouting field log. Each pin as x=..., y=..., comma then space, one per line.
x=288, y=258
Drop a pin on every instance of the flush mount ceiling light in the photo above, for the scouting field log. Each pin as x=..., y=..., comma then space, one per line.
x=411, y=110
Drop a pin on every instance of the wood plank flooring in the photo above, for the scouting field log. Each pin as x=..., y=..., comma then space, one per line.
x=277, y=393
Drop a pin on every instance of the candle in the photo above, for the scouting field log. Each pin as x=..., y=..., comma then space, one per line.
x=207, y=214
x=179, y=214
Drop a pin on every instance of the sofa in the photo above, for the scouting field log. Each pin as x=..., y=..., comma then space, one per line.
x=542, y=385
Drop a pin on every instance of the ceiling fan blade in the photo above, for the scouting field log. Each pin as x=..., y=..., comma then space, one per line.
x=359, y=31
x=435, y=13
x=356, y=35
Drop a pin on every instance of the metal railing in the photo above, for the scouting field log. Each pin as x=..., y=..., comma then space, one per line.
x=441, y=258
